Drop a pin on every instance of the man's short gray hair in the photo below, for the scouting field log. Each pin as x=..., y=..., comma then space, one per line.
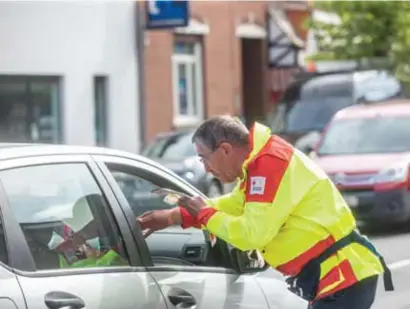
x=219, y=129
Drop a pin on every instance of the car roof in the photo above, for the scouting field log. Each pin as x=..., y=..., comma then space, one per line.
x=342, y=77
x=164, y=135
x=341, y=82
x=398, y=107
x=23, y=150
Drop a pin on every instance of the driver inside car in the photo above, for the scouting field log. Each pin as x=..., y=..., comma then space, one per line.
x=78, y=245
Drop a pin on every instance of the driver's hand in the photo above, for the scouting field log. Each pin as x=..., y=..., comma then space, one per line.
x=88, y=251
x=155, y=220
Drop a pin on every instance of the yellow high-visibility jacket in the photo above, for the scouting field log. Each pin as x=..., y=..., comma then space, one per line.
x=287, y=208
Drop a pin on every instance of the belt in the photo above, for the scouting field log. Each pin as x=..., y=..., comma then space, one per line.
x=305, y=284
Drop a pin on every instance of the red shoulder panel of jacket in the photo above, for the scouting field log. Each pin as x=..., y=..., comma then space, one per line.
x=266, y=170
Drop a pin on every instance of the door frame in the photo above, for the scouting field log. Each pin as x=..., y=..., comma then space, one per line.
x=19, y=255
x=160, y=172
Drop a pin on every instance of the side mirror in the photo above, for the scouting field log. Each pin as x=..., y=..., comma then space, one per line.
x=247, y=262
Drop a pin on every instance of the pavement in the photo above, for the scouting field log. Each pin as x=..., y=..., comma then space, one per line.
x=394, y=245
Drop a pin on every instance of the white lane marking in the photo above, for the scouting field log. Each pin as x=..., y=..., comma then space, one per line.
x=399, y=264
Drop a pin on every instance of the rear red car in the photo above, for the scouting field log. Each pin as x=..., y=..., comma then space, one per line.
x=365, y=150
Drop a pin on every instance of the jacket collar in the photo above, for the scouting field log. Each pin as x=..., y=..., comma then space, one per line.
x=258, y=137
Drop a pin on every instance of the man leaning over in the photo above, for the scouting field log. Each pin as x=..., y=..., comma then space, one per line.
x=285, y=207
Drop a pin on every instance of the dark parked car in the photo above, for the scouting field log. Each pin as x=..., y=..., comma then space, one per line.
x=311, y=101
x=176, y=151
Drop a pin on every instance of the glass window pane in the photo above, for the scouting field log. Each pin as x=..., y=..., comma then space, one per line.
x=44, y=102
x=194, y=104
x=14, y=112
x=137, y=191
x=179, y=148
x=367, y=135
x=64, y=216
x=100, y=110
x=184, y=48
x=182, y=89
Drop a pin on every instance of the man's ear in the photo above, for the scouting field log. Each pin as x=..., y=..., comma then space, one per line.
x=226, y=148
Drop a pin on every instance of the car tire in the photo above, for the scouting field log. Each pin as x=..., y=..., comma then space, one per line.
x=214, y=189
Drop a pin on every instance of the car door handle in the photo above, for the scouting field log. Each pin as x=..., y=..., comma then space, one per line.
x=60, y=299
x=181, y=299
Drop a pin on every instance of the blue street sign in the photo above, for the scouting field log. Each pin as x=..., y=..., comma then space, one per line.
x=162, y=14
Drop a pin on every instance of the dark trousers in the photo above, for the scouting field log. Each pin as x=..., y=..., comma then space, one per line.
x=358, y=296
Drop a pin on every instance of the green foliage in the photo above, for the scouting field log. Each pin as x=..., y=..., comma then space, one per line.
x=368, y=29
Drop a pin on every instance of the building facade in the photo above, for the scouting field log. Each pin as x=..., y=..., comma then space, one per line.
x=69, y=73
x=218, y=64
x=197, y=71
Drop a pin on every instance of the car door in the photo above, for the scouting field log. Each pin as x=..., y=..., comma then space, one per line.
x=186, y=280
x=11, y=296
x=72, y=247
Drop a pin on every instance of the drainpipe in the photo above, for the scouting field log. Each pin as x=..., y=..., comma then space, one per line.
x=140, y=48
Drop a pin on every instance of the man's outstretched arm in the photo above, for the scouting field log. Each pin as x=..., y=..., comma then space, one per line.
x=231, y=203
x=160, y=219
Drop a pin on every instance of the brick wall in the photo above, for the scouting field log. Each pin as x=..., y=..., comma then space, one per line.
x=221, y=56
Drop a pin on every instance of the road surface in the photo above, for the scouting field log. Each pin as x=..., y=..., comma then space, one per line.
x=394, y=245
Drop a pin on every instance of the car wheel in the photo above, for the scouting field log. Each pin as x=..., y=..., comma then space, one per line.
x=214, y=189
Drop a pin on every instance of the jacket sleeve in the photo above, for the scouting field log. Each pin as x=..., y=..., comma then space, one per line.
x=271, y=195
x=231, y=203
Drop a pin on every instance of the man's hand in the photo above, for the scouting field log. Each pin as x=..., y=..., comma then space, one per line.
x=156, y=220
x=193, y=204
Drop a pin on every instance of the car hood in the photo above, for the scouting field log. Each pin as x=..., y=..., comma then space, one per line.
x=360, y=162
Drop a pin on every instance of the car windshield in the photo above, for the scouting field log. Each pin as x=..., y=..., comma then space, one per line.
x=314, y=114
x=173, y=148
x=381, y=134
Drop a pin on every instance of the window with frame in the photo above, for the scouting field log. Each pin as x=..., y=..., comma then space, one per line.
x=167, y=247
x=187, y=75
x=64, y=216
x=30, y=109
x=137, y=189
x=100, y=110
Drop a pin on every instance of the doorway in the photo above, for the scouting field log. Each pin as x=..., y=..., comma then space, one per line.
x=253, y=80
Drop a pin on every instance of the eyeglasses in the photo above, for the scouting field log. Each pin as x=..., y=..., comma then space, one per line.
x=206, y=158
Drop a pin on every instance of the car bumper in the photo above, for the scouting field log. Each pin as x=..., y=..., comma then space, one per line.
x=391, y=206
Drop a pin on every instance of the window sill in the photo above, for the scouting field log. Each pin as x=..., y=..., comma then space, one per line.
x=186, y=121
x=194, y=27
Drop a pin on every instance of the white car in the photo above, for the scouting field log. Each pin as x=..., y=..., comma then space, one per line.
x=174, y=268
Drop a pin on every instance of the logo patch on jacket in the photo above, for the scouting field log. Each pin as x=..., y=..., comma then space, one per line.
x=257, y=185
